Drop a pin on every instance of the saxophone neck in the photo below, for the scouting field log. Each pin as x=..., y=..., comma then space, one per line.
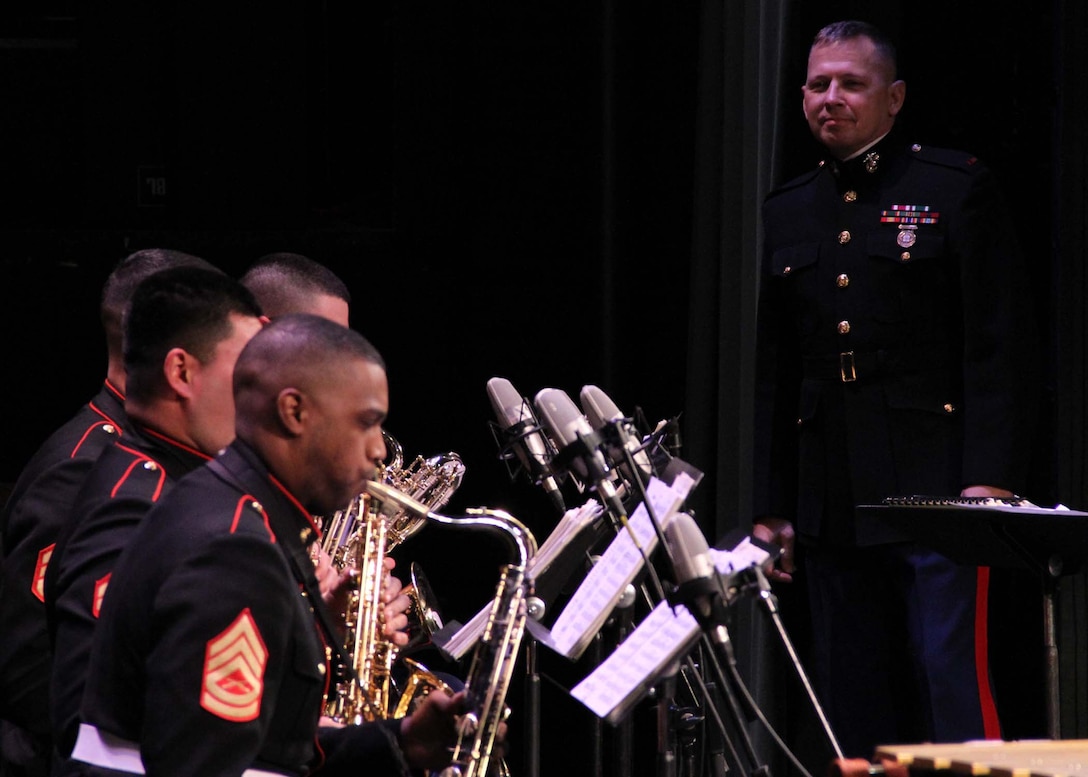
x=522, y=539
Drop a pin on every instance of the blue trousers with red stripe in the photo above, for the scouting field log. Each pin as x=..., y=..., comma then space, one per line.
x=900, y=649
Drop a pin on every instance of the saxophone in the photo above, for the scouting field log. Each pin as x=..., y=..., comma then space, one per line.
x=360, y=537
x=496, y=653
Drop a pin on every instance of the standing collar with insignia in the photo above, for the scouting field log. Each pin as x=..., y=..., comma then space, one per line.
x=865, y=166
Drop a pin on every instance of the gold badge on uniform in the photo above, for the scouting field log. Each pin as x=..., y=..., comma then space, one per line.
x=871, y=159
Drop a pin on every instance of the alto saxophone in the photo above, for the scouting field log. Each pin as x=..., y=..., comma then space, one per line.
x=360, y=537
x=496, y=653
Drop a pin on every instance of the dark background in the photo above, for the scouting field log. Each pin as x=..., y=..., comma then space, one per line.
x=505, y=187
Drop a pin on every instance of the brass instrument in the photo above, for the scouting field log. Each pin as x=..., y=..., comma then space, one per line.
x=360, y=537
x=496, y=653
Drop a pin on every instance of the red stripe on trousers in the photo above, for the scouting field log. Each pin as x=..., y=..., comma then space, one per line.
x=990, y=724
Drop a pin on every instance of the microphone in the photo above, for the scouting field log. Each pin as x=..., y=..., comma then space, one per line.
x=578, y=445
x=603, y=413
x=699, y=586
x=521, y=431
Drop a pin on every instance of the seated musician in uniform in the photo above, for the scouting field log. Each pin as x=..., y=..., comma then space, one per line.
x=211, y=651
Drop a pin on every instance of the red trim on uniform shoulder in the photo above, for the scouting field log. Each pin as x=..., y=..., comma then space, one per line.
x=100, y=587
x=296, y=503
x=37, y=582
x=232, y=683
x=140, y=458
x=991, y=726
x=90, y=429
x=245, y=501
x=120, y=397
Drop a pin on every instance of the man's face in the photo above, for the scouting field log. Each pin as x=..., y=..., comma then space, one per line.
x=211, y=414
x=850, y=99
x=345, y=442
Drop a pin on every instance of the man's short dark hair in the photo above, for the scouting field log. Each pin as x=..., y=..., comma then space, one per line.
x=309, y=340
x=836, y=32
x=182, y=307
x=285, y=283
x=126, y=276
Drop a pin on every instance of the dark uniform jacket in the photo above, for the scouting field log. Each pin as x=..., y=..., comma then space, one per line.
x=31, y=521
x=207, y=652
x=894, y=339
x=128, y=478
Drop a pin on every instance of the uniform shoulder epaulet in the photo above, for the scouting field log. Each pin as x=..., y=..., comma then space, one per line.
x=98, y=433
x=799, y=181
x=946, y=157
x=250, y=516
x=142, y=476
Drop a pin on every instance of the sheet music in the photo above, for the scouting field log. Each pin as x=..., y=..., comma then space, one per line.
x=745, y=554
x=663, y=636
x=592, y=603
x=634, y=666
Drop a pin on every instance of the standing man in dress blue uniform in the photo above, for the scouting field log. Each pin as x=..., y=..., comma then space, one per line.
x=894, y=356
x=31, y=520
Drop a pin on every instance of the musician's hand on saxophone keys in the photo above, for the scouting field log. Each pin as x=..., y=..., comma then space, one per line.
x=331, y=580
x=428, y=735
x=397, y=603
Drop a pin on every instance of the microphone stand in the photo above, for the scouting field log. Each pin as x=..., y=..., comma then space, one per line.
x=770, y=601
x=507, y=438
x=665, y=710
x=695, y=594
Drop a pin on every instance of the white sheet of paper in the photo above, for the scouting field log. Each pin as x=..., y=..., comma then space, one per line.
x=633, y=667
x=592, y=603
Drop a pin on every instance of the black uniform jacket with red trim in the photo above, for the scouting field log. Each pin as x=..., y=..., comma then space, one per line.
x=122, y=486
x=31, y=521
x=207, y=653
x=900, y=271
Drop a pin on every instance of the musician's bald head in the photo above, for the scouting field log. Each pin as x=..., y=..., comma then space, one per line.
x=310, y=397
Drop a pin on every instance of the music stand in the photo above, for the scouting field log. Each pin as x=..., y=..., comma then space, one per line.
x=1008, y=533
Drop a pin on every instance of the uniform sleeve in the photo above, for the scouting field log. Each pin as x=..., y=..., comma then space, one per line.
x=371, y=749
x=1001, y=364
x=221, y=648
x=79, y=576
x=34, y=524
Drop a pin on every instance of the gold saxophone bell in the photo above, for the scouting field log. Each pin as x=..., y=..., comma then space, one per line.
x=423, y=617
x=361, y=536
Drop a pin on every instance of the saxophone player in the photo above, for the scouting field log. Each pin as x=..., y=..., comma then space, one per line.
x=283, y=283
x=210, y=654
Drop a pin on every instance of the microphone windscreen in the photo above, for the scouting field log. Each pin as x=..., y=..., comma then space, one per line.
x=509, y=406
x=599, y=407
x=561, y=416
x=688, y=548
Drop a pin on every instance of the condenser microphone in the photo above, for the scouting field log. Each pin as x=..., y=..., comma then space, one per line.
x=698, y=583
x=604, y=416
x=578, y=445
x=522, y=433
